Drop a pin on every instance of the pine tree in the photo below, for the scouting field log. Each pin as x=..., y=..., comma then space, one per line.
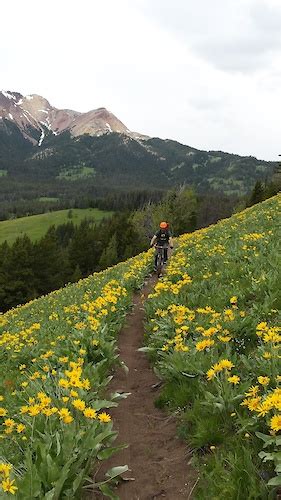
x=109, y=255
x=84, y=249
x=77, y=275
x=257, y=194
x=51, y=265
x=17, y=280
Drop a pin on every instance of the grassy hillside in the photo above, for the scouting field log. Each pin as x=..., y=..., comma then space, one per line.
x=55, y=356
x=35, y=226
x=214, y=331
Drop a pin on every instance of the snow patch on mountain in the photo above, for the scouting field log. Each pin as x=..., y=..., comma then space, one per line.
x=41, y=137
x=8, y=95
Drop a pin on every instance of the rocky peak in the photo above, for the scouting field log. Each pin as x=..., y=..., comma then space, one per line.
x=36, y=112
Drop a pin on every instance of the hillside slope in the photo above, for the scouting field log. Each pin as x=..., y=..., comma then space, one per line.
x=55, y=357
x=214, y=333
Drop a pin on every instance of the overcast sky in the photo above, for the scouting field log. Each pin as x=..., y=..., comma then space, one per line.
x=206, y=73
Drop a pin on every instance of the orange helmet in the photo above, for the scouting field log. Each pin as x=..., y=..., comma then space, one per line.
x=163, y=225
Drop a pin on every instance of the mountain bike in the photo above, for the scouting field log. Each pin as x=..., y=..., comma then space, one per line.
x=159, y=260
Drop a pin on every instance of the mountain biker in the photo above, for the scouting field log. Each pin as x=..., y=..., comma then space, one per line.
x=162, y=238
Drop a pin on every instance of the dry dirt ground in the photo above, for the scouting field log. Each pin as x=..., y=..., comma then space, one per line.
x=157, y=459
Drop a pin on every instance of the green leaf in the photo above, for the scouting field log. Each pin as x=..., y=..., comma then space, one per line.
x=58, y=443
x=94, y=441
x=53, y=469
x=278, y=440
x=116, y=471
x=107, y=491
x=30, y=484
x=146, y=349
x=64, y=473
x=78, y=481
x=50, y=495
x=190, y=375
x=99, y=404
x=220, y=406
x=266, y=439
x=125, y=368
x=108, y=452
x=275, y=481
x=266, y=456
x=120, y=395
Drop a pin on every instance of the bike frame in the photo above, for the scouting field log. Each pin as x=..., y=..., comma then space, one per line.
x=159, y=260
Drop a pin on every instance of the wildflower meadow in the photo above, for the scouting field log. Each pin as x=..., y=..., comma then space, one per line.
x=55, y=357
x=213, y=332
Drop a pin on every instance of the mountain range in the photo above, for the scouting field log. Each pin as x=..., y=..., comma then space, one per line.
x=45, y=151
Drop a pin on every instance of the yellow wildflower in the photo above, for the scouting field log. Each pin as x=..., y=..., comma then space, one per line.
x=79, y=404
x=90, y=413
x=234, y=379
x=9, y=422
x=225, y=363
x=34, y=410
x=104, y=417
x=20, y=428
x=63, y=383
x=264, y=380
x=204, y=344
x=253, y=391
x=9, y=486
x=267, y=355
x=275, y=423
x=5, y=469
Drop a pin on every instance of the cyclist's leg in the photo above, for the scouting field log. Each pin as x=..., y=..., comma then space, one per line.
x=165, y=254
x=160, y=263
x=156, y=259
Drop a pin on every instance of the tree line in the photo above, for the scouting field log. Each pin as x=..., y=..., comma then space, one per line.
x=12, y=206
x=69, y=252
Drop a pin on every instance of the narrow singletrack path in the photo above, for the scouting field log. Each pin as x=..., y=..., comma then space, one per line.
x=157, y=459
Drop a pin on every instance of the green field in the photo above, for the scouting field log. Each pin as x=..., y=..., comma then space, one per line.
x=35, y=226
x=77, y=172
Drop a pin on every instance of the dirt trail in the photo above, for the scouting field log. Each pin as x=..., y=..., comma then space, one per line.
x=157, y=459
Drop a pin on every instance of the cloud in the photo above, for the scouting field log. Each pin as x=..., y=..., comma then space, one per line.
x=232, y=35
